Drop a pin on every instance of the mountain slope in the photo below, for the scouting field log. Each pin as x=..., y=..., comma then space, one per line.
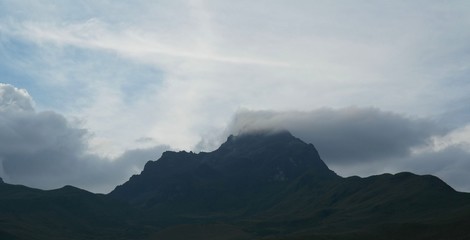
x=66, y=213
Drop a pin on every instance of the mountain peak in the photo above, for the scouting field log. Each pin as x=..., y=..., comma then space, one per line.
x=259, y=139
x=244, y=163
x=269, y=152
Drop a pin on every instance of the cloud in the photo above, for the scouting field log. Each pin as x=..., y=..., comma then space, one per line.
x=13, y=99
x=206, y=59
x=367, y=141
x=180, y=69
x=347, y=135
x=45, y=150
x=97, y=35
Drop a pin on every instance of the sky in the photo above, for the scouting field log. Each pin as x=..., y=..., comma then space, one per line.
x=92, y=90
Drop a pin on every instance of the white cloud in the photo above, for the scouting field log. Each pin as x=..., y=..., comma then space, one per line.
x=13, y=99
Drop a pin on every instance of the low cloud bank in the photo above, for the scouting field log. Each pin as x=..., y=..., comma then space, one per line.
x=45, y=150
x=365, y=141
x=346, y=135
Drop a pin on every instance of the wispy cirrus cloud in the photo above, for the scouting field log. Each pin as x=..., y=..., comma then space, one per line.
x=128, y=42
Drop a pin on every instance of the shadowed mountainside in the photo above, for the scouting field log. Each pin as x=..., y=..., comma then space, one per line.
x=264, y=185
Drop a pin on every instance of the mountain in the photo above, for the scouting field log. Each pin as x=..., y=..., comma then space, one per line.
x=262, y=185
x=271, y=184
x=242, y=166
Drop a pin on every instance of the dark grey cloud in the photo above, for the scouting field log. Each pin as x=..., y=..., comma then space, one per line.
x=367, y=141
x=31, y=132
x=44, y=150
x=346, y=135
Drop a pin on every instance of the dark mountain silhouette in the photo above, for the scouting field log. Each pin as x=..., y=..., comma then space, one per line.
x=65, y=213
x=263, y=185
x=242, y=166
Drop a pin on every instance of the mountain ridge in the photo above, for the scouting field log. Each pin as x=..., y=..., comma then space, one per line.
x=266, y=185
x=281, y=184
x=241, y=162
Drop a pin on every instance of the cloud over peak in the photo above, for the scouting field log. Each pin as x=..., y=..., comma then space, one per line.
x=366, y=141
x=347, y=134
